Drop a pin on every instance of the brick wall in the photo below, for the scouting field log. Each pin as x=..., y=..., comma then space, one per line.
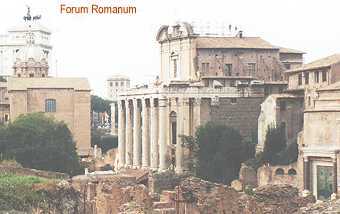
x=241, y=115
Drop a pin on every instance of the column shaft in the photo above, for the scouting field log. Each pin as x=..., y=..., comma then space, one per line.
x=179, y=148
x=145, y=135
x=306, y=174
x=154, y=134
x=137, y=149
x=335, y=176
x=128, y=138
x=121, y=135
x=162, y=134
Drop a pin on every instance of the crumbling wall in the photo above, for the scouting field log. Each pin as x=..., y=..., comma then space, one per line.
x=280, y=174
x=164, y=181
x=198, y=196
x=106, y=194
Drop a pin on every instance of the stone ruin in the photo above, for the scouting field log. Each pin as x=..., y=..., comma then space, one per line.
x=130, y=192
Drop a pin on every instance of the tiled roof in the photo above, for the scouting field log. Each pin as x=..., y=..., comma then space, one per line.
x=289, y=50
x=234, y=42
x=15, y=83
x=321, y=63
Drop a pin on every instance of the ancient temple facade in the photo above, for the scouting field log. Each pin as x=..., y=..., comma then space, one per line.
x=203, y=78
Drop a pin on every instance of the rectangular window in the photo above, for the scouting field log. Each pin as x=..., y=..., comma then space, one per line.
x=316, y=76
x=50, y=105
x=228, y=69
x=300, y=79
x=205, y=68
x=251, y=69
x=283, y=105
x=324, y=76
x=306, y=78
x=287, y=66
x=233, y=100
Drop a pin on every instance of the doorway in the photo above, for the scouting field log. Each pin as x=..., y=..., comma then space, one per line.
x=322, y=180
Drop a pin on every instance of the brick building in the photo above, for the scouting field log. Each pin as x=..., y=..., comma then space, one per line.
x=31, y=89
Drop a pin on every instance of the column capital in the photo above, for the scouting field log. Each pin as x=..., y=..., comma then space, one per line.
x=135, y=101
x=163, y=102
x=197, y=100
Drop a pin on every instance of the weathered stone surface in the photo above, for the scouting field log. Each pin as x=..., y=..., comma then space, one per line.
x=327, y=207
x=113, y=193
x=280, y=199
x=237, y=185
x=248, y=176
x=198, y=196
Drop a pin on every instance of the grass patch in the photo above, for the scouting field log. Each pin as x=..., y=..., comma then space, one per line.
x=17, y=192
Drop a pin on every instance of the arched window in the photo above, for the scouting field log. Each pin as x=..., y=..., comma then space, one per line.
x=291, y=172
x=279, y=171
x=50, y=105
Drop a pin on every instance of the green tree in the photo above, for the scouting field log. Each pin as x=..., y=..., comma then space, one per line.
x=40, y=142
x=220, y=152
x=275, y=142
x=99, y=104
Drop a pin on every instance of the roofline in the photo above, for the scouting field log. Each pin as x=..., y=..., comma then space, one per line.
x=47, y=88
x=308, y=69
x=238, y=48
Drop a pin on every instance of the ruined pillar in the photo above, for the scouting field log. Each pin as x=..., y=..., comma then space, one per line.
x=154, y=134
x=113, y=119
x=162, y=105
x=137, y=143
x=335, y=176
x=121, y=134
x=145, y=135
x=128, y=138
x=306, y=174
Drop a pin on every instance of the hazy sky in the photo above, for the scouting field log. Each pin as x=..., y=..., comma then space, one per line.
x=97, y=46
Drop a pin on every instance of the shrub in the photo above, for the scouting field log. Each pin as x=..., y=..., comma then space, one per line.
x=40, y=142
x=275, y=142
x=220, y=153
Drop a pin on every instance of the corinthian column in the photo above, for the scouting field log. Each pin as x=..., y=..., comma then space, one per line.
x=162, y=134
x=154, y=134
x=128, y=138
x=179, y=131
x=145, y=135
x=136, y=135
x=197, y=113
x=121, y=135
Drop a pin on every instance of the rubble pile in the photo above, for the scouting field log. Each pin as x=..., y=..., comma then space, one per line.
x=201, y=196
x=280, y=199
x=326, y=207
